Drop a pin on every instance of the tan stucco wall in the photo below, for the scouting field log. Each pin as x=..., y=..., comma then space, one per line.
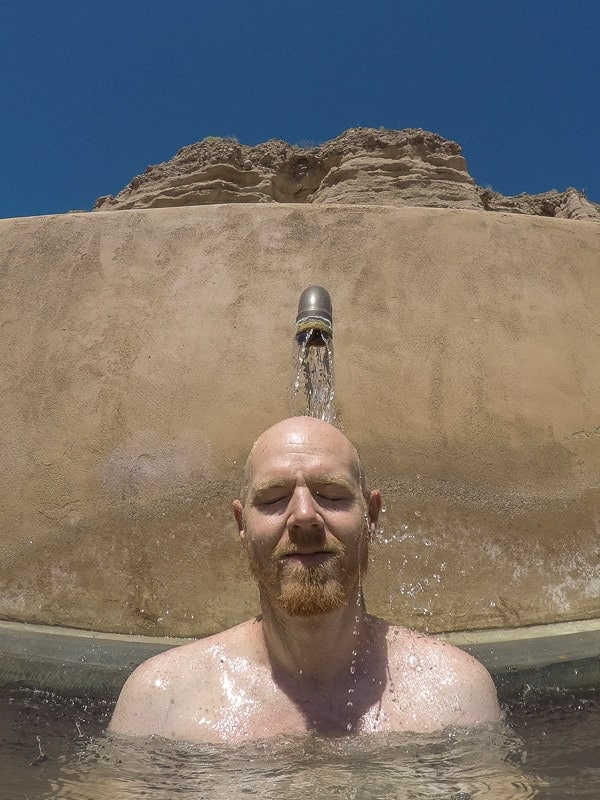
x=143, y=351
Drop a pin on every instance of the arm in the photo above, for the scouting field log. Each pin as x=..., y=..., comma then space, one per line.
x=143, y=704
x=465, y=689
x=476, y=695
x=442, y=684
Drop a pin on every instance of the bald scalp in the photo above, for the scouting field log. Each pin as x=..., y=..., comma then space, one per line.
x=310, y=429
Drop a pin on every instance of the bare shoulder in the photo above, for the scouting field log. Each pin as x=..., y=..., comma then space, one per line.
x=158, y=685
x=459, y=686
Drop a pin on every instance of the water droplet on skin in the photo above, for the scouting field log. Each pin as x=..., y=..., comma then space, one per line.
x=349, y=704
x=352, y=669
x=349, y=726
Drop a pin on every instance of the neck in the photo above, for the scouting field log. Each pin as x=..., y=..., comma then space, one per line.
x=315, y=649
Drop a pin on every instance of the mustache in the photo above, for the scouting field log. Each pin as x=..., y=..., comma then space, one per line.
x=288, y=548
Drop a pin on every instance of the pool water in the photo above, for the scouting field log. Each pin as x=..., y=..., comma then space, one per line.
x=55, y=748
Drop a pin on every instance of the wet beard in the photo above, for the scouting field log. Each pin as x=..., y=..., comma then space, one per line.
x=305, y=591
x=310, y=591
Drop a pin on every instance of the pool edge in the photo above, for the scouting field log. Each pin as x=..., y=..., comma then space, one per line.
x=74, y=662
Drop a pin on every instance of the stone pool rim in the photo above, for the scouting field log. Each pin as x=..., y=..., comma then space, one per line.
x=561, y=656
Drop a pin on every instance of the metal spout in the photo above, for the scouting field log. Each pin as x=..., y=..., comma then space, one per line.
x=314, y=323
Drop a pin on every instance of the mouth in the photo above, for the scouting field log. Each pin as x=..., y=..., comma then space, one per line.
x=313, y=559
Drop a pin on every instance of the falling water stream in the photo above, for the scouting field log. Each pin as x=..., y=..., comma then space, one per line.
x=313, y=387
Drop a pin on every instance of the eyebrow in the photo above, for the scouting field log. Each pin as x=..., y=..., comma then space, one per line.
x=333, y=480
x=321, y=480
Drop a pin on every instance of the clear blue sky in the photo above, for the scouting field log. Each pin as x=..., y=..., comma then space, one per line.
x=93, y=91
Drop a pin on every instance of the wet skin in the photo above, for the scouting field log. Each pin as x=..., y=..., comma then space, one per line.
x=314, y=660
x=304, y=508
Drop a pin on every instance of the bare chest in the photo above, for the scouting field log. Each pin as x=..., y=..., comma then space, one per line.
x=264, y=710
x=236, y=704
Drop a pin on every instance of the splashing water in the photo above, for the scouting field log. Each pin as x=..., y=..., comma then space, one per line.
x=313, y=390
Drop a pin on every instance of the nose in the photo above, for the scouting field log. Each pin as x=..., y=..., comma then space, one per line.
x=304, y=518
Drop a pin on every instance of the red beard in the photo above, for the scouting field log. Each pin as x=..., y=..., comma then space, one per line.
x=306, y=591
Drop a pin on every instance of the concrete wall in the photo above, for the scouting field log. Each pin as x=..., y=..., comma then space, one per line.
x=143, y=351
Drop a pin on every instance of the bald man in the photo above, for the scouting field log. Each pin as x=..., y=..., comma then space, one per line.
x=314, y=660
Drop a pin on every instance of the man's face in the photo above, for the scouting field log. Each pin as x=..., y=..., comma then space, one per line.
x=305, y=520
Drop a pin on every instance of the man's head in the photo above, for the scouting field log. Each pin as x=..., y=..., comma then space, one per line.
x=304, y=516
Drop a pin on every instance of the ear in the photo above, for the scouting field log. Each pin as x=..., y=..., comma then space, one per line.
x=238, y=513
x=373, y=509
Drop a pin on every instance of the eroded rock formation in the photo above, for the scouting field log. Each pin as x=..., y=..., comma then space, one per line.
x=569, y=204
x=361, y=166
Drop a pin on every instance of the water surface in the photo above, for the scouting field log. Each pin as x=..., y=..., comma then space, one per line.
x=53, y=748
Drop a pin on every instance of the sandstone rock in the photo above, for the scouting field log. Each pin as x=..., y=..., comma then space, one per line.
x=401, y=168
x=569, y=204
x=411, y=167
x=363, y=165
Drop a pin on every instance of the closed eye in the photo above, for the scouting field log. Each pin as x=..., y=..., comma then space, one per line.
x=271, y=501
x=333, y=495
x=332, y=487
x=270, y=498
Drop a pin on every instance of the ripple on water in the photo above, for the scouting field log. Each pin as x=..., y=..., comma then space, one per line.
x=452, y=765
x=552, y=752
